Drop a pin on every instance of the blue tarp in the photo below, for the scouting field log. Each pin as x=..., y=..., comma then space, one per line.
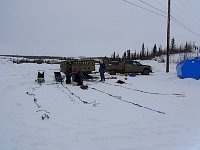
x=189, y=68
x=131, y=74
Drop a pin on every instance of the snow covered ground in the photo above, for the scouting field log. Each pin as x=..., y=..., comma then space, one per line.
x=110, y=120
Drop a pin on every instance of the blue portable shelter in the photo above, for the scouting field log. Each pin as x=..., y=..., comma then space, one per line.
x=189, y=68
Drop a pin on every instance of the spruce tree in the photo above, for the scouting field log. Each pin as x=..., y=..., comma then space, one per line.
x=143, y=52
x=160, y=50
x=124, y=56
x=173, y=46
x=128, y=54
x=154, y=50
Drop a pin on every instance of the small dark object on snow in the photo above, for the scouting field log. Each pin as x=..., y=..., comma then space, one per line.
x=45, y=116
x=131, y=74
x=120, y=82
x=112, y=77
x=84, y=87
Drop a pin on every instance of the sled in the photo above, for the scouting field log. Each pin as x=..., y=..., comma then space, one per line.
x=40, y=77
x=58, y=77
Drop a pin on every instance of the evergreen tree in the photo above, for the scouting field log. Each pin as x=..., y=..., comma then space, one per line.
x=138, y=56
x=132, y=56
x=135, y=55
x=160, y=50
x=154, y=50
x=114, y=56
x=180, y=49
x=118, y=57
x=147, y=55
x=142, y=55
x=128, y=54
x=190, y=47
x=186, y=47
x=173, y=46
x=124, y=56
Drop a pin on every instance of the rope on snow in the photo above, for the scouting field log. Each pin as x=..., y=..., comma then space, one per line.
x=35, y=101
x=119, y=98
x=79, y=98
x=146, y=92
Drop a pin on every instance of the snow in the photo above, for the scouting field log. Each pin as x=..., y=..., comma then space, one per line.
x=110, y=124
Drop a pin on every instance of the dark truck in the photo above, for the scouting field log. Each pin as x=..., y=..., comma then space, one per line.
x=129, y=66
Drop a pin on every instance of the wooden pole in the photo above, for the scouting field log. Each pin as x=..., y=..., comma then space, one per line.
x=168, y=35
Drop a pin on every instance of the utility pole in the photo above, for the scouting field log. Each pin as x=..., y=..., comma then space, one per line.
x=168, y=35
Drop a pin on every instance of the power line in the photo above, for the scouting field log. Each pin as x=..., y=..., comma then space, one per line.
x=184, y=26
x=176, y=20
x=160, y=3
x=153, y=7
x=189, y=8
x=180, y=23
x=188, y=18
x=144, y=8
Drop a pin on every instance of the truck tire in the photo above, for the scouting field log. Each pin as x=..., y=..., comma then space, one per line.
x=145, y=72
x=112, y=72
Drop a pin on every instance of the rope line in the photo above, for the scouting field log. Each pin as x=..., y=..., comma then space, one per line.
x=71, y=98
x=119, y=98
x=45, y=115
x=78, y=97
x=146, y=92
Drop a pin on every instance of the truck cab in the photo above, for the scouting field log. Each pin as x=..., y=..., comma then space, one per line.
x=128, y=66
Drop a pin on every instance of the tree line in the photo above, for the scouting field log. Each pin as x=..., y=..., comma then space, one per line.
x=156, y=51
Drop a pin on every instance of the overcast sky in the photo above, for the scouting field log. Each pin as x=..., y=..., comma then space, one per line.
x=91, y=27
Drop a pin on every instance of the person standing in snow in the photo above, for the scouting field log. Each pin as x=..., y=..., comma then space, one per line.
x=102, y=70
x=68, y=73
x=74, y=74
x=79, y=78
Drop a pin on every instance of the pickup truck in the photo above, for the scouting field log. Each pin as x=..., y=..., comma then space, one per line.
x=129, y=66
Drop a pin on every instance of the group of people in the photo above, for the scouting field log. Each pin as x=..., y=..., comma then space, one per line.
x=77, y=76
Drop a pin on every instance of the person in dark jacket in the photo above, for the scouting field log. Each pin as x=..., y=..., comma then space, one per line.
x=68, y=73
x=79, y=78
x=102, y=70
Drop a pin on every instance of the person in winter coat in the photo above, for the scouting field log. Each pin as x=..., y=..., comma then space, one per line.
x=102, y=70
x=74, y=74
x=77, y=76
x=68, y=73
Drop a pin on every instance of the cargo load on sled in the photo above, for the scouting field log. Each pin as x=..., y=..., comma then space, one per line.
x=86, y=66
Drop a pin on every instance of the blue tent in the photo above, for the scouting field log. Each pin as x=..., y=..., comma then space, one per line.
x=189, y=68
